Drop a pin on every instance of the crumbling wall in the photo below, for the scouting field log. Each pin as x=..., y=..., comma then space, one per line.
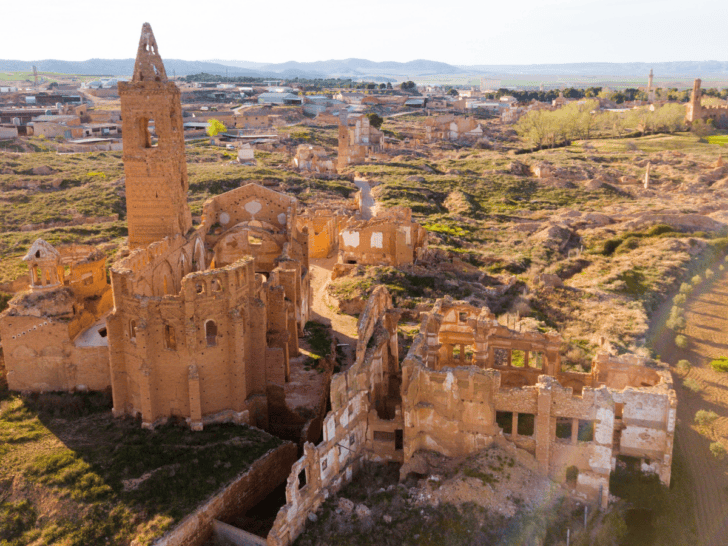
x=323, y=232
x=357, y=140
x=392, y=239
x=52, y=335
x=457, y=406
x=354, y=429
x=313, y=159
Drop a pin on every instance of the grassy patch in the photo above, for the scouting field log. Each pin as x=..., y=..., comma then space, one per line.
x=111, y=481
x=720, y=364
x=721, y=140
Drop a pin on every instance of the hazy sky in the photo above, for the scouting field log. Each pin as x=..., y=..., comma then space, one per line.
x=456, y=32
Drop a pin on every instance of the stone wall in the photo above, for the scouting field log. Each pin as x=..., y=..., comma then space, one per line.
x=354, y=429
x=235, y=498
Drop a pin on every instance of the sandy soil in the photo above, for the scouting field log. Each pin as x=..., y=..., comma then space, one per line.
x=707, y=332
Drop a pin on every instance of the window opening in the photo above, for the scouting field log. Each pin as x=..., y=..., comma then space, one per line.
x=302, y=479
x=563, y=428
x=399, y=439
x=211, y=333
x=145, y=136
x=518, y=358
x=500, y=357
x=504, y=419
x=132, y=330
x=586, y=431
x=535, y=360
x=526, y=424
x=170, y=341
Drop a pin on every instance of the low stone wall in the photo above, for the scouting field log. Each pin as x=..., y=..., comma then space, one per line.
x=242, y=494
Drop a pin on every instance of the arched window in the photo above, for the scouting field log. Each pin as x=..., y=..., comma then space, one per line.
x=211, y=333
x=132, y=330
x=170, y=341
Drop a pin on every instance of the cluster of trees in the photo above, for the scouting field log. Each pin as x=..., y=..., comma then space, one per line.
x=374, y=86
x=583, y=120
x=375, y=120
x=625, y=95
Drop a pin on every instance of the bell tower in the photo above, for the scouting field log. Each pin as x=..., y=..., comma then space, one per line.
x=156, y=172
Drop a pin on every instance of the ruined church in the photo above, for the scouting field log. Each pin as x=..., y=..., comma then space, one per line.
x=204, y=319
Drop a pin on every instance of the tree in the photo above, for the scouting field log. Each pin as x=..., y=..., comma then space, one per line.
x=371, y=86
x=408, y=85
x=375, y=120
x=382, y=86
x=215, y=127
x=453, y=92
x=389, y=85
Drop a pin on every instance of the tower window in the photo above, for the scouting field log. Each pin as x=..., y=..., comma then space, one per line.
x=145, y=137
x=170, y=342
x=211, y=333
x=132, y=330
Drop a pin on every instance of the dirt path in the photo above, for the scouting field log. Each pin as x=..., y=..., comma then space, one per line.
x=368, y=205
x=344, y=326
x=707, y=333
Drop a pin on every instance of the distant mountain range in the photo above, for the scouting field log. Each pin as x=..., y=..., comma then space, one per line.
x=362, y=69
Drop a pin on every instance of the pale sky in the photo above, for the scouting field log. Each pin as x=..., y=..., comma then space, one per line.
x=457, y=32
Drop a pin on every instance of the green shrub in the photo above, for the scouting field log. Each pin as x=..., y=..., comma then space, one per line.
x=705, y=418
x=696, y=280
x=681, y=341
x=630, y=243
x=718, y=451
x=692, y=385
x=676, y=320
x=685, y=288
x=720, y=364
x=683, y=366
x=709, y=274
x=680, y=299
x=721, y=267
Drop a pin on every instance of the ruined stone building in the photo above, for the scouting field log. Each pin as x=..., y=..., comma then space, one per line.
x=390, y=238
x=313, y=159
x=467, y=379
x=54, y=335
x=467, y=383
x=695, y=109
x=323, y=225
x=204, y=319
x=357, y=140
x=451, y=127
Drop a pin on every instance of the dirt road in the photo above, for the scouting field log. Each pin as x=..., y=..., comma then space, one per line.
x=707, y=331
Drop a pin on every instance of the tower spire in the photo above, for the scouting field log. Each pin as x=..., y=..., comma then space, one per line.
x=148, y=65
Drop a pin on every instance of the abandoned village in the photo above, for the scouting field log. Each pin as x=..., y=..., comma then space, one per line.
x=204, y=317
